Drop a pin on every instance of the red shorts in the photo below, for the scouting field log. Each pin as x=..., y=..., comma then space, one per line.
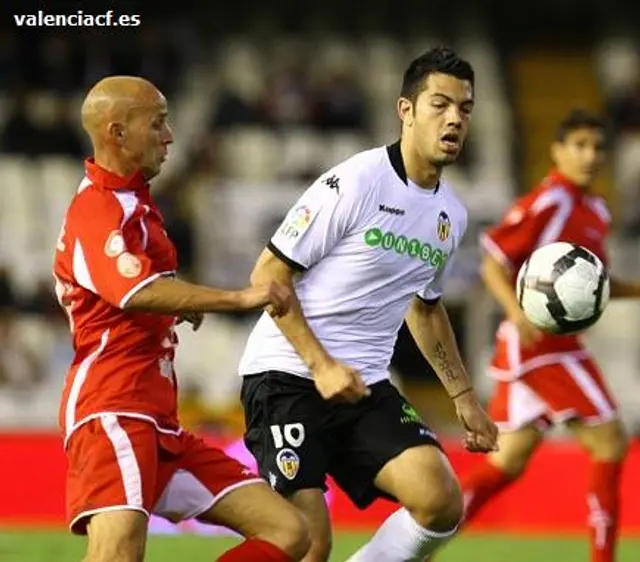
x=126, y=463
x=554, y=393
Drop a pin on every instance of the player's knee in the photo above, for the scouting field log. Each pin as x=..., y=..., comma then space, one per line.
x=609, y=443
x=439, y=505
x=320, y=550
x=291, y=535
x=512, y=463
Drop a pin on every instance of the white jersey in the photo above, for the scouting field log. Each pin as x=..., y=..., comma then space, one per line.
x=366, y=241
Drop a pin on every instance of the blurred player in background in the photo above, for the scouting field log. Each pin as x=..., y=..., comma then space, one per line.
x=543, y=379
x=369, y=244
x=115, y=277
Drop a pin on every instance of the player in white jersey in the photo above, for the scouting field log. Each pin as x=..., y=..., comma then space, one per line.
x=367, y=246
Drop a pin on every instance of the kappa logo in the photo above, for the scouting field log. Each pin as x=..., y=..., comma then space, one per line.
x=444, y=226
x=288, y=463
x=333, y=182
x=391, y=210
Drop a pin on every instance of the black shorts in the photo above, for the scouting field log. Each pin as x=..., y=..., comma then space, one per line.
x=298, y=438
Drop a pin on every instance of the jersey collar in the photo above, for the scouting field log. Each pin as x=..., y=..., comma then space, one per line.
x=555, y=177
x=108, y=180
x=397, y=163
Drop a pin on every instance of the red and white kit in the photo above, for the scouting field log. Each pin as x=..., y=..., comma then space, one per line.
x=118, y=413
x=556, y=379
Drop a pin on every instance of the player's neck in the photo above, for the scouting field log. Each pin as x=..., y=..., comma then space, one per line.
x=419, y=171
x=114, y=164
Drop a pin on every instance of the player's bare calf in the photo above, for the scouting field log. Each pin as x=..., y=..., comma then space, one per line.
x=264, y=517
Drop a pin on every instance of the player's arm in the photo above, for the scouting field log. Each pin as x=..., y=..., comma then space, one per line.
x=621, y=289
x=497, y=277
x=430, y=327
x=511, y=242
x=166, y=295
x=321, y=218
x=110, y=261
x=271, y=267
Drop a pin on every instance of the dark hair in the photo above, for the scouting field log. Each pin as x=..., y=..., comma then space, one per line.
x=438, y=59
x=579, y=118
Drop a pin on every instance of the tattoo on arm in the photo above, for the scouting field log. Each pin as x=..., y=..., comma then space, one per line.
x=443, y=363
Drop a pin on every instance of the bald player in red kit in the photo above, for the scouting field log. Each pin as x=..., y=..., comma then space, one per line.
x=544, y=379
x=115, y=278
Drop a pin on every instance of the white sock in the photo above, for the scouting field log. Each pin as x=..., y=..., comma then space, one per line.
x=401, y=539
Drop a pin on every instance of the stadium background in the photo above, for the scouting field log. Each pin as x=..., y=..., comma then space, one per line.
x=262, y=99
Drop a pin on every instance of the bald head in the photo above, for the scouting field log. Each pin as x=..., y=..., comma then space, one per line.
x=114, y=100
x=126, y=119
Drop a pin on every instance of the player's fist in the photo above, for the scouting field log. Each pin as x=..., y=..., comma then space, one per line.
x=336, y=380
x=275, y=296
x=528, y=333
x=481, y=433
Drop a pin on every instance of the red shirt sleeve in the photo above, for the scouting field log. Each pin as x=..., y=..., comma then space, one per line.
x=516, y=236
x=109, y=257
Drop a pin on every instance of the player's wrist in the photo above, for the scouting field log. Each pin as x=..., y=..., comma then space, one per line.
x=320, y=363
x=465, y=393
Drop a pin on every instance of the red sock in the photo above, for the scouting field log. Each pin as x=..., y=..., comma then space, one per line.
x=480, y=485
x=603, y=502
x=255, y=550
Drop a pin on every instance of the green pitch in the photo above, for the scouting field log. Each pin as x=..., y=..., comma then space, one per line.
x=37, y=546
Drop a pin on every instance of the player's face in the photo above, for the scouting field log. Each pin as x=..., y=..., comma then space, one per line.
x=440, y=118
x=581, y=155
x=148, y=137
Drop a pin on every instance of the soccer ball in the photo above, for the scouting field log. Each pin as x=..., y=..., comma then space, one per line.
x=563, y=288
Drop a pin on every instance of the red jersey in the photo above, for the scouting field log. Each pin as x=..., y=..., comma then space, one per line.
x=556, y=210
x=112, y=244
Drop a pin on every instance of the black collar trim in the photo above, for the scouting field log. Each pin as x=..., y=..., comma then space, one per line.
x=397, y=163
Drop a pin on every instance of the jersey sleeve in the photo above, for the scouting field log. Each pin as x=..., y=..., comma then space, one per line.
x=109, y=256
x=322, y=216
x=529, y=223
x=433, y=291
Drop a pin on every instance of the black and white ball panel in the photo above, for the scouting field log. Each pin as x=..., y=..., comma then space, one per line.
x=563, y=288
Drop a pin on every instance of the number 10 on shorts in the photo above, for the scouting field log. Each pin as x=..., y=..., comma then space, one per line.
x=290, y=434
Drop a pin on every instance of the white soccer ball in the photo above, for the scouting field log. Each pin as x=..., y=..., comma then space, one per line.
x=563, y=288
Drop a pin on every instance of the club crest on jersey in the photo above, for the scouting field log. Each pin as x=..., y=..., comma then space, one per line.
x=444, y=226
x=288, y=463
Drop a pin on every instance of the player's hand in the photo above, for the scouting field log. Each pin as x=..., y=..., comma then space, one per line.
x=194, y=318
x=276, y=297
x=528, y=333
x=336, y=380
x=481, y=433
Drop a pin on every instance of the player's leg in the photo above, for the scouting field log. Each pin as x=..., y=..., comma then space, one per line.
x=312, y=504
x=519, y=414
x=389, y=451
x=216, y=489
x=581, y=393
x=110, y=486
x=286, y=431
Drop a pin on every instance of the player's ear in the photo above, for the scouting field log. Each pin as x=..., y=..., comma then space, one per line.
x=116, y=132
x=405, y=110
